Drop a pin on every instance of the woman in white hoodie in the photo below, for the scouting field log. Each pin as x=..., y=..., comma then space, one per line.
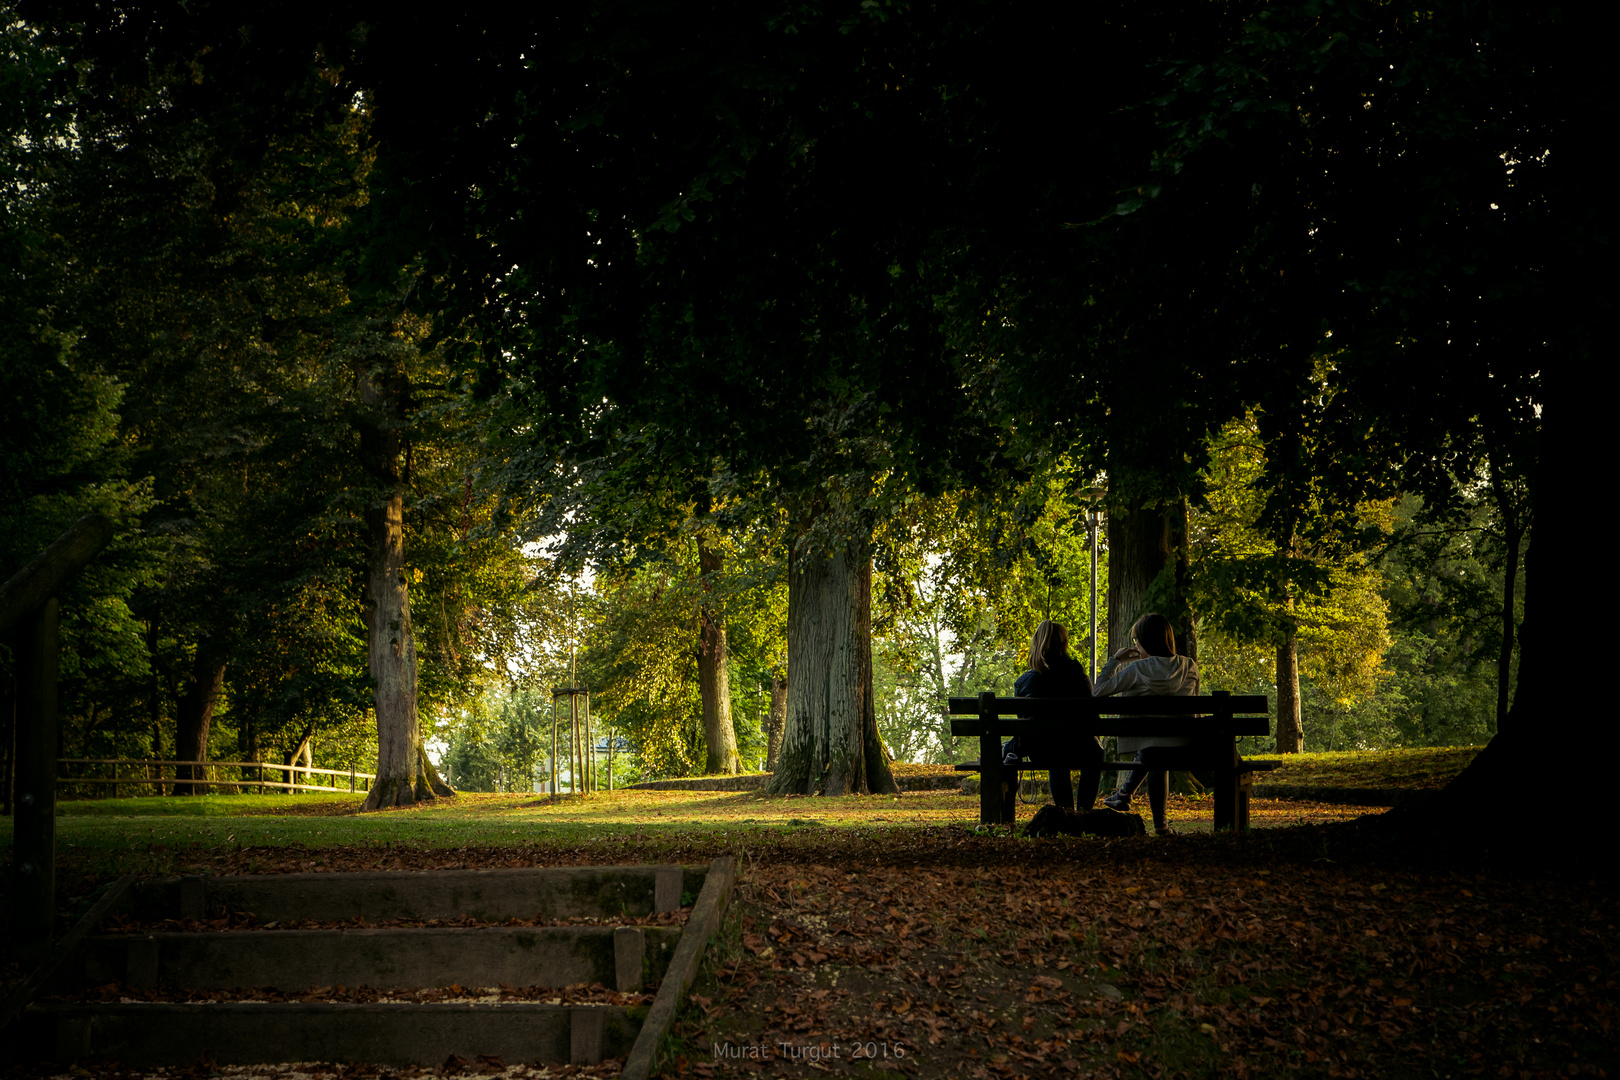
x=1149, y=668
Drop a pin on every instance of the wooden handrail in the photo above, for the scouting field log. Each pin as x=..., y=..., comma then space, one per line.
x=30, y=611
x=52, y=568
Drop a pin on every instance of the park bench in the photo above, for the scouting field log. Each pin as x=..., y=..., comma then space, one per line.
x=1215, y=721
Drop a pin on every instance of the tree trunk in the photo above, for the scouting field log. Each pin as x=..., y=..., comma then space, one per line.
x=1504, y=660
x=392, y=655
x=294, y=756
x=714, y=676
x=195, y=715
x=247, y=745
x=776, y=723
x=1513, y=536
x=1147, y=571
x=1290, y=731
x=1549, y=709
x=391, y=645
x=831, y=746
x=154, y=708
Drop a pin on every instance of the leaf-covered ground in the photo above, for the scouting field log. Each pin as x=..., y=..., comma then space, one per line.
x=1316, y=946
x=1189, y=957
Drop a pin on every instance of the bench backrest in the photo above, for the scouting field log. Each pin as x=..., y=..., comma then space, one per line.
x=1217, y=704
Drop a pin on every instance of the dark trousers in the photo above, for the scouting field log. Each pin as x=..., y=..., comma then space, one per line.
x=1158, y=784
x=1083, y=753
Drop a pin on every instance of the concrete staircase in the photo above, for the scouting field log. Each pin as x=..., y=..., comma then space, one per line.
x=549, y=991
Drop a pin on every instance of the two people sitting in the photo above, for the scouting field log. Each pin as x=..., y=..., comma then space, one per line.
x=1150, y=666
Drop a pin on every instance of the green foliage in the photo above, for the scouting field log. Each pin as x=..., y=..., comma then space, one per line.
x=642, y=650
x=1443, y=577
x=501, y=743
x=195, y=318
x=1250, y=591
x=962, y=583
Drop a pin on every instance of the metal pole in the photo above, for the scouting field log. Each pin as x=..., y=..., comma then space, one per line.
x=551, y=784
x=33, y=849
x=1092, y=520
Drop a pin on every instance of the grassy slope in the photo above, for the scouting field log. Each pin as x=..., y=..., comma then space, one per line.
x=1422, y=768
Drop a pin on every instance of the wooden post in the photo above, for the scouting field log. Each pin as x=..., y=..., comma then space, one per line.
x=33, y=852
x=556, y=773
x=582, y=780
x=590, y=745
x=990, y=794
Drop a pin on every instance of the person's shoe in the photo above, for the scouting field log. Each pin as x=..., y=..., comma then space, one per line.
x=1163, y=830
x=1118, y=801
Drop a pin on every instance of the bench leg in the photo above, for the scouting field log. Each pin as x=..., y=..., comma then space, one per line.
x=990, y=782
x=1245, y=786
x=1009, y=795
x=1226, y=787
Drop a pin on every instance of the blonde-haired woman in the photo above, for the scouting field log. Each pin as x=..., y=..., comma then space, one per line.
x=1053, y=673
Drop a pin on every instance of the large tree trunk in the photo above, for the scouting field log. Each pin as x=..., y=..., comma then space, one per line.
x=1512, y=518
x=391, y=644
x=196, y=716
x=714, y=676
x=1551, y=711
x=1147, y=571
x=1290, y=729
x=831, y=746
x=776, y=723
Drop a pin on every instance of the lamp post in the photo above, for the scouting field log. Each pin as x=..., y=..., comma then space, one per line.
x=1093, y=520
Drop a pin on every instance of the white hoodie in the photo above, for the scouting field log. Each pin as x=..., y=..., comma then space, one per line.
x=1151, y=676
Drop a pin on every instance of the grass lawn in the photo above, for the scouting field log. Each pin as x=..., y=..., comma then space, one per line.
x=197, y=833
x=1419, y=769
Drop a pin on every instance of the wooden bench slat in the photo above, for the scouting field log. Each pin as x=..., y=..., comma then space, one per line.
x=1037, y=764
x=1172, y=727
x=1116, y=706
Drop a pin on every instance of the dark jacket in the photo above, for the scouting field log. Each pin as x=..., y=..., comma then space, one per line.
x=1066, y=678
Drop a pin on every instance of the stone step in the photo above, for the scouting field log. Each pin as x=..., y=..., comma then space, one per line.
x=629, y=958
x=561, y=892
x=624, y=958
x=237, y=1033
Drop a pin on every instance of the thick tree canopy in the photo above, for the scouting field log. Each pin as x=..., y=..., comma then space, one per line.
x=723, y=262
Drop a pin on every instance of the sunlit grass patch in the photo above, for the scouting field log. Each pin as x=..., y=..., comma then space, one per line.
x=1416, y=768
x=162, y=830
x=208, y=805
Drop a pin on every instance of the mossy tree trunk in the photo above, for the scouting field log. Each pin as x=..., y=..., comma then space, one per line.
x=1290, y=727
x=404, y=775
x=776, y=724
x=195, y=716
x=1147, y=571
x=831, y=745
x=714, y=676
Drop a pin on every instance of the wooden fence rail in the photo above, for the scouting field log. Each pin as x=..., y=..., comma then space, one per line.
x=358, y=781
